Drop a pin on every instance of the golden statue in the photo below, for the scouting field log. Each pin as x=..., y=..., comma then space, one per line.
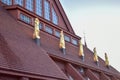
x=95, y=55
x=36, y=29
x=81, y=52
x=62, y=41
x=106, y=60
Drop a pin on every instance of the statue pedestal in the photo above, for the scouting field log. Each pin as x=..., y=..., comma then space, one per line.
x=97, y=63
x=37, y=41
x=82, y=57
x=63, y=51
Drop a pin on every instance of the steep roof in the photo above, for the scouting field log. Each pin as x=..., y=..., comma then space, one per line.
x=18, y=51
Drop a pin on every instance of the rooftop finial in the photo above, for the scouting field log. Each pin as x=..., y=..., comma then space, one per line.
x=85, y=40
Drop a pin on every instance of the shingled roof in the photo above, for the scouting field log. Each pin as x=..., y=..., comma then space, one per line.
x=18, y=52
x=72, y=55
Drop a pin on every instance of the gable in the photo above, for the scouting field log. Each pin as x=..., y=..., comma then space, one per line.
x=63, y=21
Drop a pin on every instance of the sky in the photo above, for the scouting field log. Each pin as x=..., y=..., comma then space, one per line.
x=99, y=20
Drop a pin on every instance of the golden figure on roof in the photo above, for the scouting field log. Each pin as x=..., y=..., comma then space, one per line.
x=62, y=41
x=106, y=60
x=95, y=55
x=81, y=51
x=36, y=29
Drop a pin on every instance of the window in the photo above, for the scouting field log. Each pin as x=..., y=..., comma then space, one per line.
x=8, y=2
x=19, y=2
x=54, y=17
x=25, y=18
x=57, y=33
x=67, y=38
x=39, y=7
x=47, y=10
x=74, y=42
x=48, y=29
x=29, y=5
x=40, y=26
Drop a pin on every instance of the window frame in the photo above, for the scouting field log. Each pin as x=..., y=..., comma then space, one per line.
x=16, y=2
x=40, y=6
x=47, y=10
x=76, y=41
x=47, y=28
x=55, y=17
x=26, y=16
x=41, y=24
x=7, y=2
x=57, y=33
x=28, y=7
x=67, y=38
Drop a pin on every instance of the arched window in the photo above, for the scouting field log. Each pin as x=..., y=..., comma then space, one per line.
x=39, y=7
x=47, y=10
x=19, y=2
x=54, y=17
x=8, y=2
x=29, y=5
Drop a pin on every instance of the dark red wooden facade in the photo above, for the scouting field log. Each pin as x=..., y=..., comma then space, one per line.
x=22, y=59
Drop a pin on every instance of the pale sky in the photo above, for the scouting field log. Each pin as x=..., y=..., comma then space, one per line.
x=100, y=21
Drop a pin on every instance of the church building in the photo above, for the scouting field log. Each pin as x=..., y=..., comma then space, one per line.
x=37, y=42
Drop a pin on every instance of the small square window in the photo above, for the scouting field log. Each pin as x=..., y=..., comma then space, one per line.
x=25, y=18
x=49, y=30
x=67, y=38
x=57, y=34
x=74, y=42
x=40, y=25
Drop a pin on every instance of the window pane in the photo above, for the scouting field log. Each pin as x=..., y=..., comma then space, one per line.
x=25, y=18
x=49, y=30
x=39, y=7
x=8, y=2
x=74, y=42
x=40, y=26
x=57, y=33
x=47, y=10
x=29, y=5
x=19, y=2
x=67, y=38
x=54, y=17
